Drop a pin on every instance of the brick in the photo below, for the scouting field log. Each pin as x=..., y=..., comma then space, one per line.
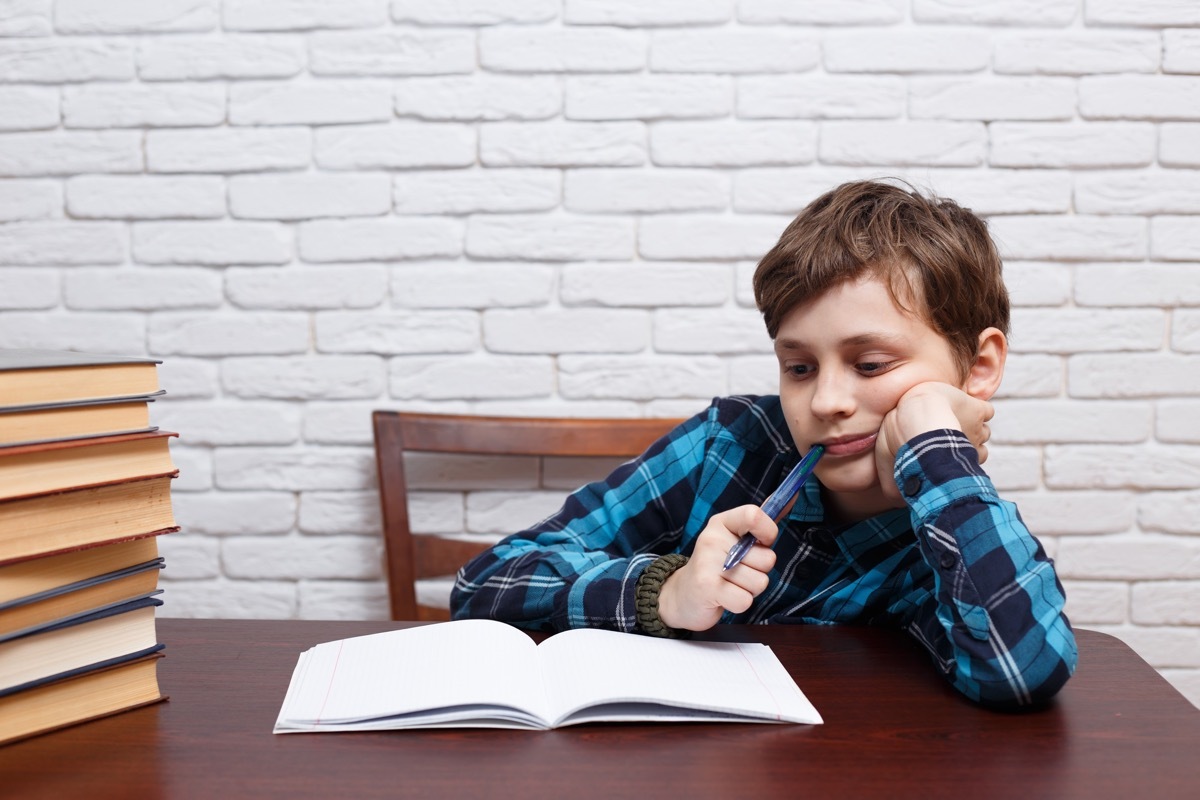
x=1175, y=238
x=1139, y=97
x=141, y=289
x=145, y=197
x=480, y=97
x=505, y=512
x=282, y=15
x=1083, y=330
x=186, y=379
x=1032, y=375
x=1099, y=421
x=226, y=599
x=640, y=377
x=1169, y=512
x=1144, y=556
x=558, y=237
x=62, y=243
x=732, y=144
x=907, y=51
x=31, y=288
x=86, y=331
x=195, y=469
x=475, y=12
x=228, y=150
x=69, y=152
x=28, y=108
x=232, y=56
x=336, y=513
x=27, y=18
x=563, y=144
x=397, y=332
x=399, y=145
x=750, y=375
x=1161, y=647
x=1075, y=238
x=576, y=330
x=558, y=50
x=297, y=287
x=1186, y=681
x=192, y=557
x=1108, y=375
x=783, y=190
x=957, y=144
x=707, y=236
x=1075, y=513
x=472, y=378
x=235, y=513
x=1185, y=331
x=277, y=468
x=1056, y=13
x=822, y=12
x=340, y=422
x=493, y=284
x=304, y=377
x=819, y=96
x=1176, y=422
x=1001, y=191
x=206, y=334
x=1137, y=284
x=216, y=424
x=471, y=191
x=734, y=51
x=316, y=103
x=1074, y=144
x=632, y=190
x=1166, y=603
x=721, y=331
x=301, y=557
x=39, y=61
x=648, y=97
x=1038, y=283
x=155, y=105
x=32, y=199
x=1125, y=192
x=1181, y=51
x=1150, y=12
x=1065, y=53
x=328, y=599
x=992, y=99
x=396, y=52
x=1097, y=466
x=633, y=13
x=139, y=16
x=1097, y=602
x=650, y=285
x=380, y=239
x=211, y=243
x=309, y=195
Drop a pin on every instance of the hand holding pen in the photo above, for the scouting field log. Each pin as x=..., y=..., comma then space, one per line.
x=774, y=505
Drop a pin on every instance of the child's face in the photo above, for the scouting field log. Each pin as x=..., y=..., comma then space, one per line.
x=845, y=360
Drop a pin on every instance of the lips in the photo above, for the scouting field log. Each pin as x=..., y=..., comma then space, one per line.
x=850, y=445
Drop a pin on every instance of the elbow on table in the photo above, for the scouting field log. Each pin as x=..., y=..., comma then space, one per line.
x=1006, y=684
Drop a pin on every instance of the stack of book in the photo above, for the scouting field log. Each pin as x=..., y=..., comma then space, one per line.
x=85, y=490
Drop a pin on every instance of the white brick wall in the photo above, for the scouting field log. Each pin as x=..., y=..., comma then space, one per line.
x=312, y=209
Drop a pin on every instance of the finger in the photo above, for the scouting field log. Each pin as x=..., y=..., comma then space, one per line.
x=748, y=579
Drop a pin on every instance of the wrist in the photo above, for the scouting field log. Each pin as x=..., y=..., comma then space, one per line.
x=648, y=595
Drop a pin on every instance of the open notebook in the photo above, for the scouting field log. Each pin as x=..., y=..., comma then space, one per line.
x=486, y=674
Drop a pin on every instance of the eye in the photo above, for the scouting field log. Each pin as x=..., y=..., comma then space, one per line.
x=799, y=370
x=873, y=368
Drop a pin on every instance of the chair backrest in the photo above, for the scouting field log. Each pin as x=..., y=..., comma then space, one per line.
x=410, y=558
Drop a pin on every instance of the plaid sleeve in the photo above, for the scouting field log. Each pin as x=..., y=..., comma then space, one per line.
x=995, y=625
x=580, y=567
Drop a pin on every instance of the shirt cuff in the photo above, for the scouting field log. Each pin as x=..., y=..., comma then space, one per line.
x=937, y=469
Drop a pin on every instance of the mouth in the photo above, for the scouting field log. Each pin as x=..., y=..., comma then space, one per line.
x=850, y=445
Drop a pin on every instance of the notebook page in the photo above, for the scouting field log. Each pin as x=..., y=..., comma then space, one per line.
x=587, y=667
x=466, y=662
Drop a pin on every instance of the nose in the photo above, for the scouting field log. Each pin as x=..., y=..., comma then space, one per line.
x=833, y=395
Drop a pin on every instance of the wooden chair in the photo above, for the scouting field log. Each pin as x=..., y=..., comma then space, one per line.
x=410, y=558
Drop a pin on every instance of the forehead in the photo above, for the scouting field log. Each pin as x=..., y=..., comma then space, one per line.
x=854, y=313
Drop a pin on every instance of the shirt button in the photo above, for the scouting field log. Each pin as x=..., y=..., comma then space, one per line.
x=912, y=486
x=822, y=537
x=948, y=560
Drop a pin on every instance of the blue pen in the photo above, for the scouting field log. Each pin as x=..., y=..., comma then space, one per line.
x=779, y=498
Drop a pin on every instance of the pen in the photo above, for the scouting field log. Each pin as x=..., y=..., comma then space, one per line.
x=776, y=502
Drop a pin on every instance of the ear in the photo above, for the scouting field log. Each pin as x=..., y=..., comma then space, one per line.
x=983, y=379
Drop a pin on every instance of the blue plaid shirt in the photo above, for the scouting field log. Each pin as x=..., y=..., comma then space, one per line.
x=957, y=569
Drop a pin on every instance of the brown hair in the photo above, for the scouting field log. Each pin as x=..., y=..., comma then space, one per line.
x=935, y=257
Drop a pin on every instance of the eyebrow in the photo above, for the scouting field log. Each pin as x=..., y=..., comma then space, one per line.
x=868, y=338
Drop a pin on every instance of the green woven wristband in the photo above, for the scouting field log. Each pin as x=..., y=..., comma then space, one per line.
x=646, y=595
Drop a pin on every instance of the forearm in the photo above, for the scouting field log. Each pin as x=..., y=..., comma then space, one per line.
x=996, y=622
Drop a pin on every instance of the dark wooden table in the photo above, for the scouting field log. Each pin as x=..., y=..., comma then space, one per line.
x=892, y=729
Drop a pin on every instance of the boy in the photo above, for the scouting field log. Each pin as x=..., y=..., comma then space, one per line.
x=889, y=317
